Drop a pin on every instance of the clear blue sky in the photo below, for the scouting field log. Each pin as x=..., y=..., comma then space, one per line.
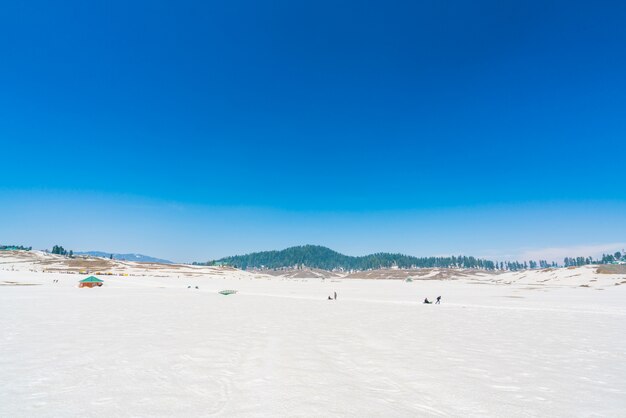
x=193, y=130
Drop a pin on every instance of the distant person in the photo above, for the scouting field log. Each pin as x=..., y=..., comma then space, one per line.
x=196, y=287
x=438, y=300
x=329, y=298
x=335, y=295
x=427, y=301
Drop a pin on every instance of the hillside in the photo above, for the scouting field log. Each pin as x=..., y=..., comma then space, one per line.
x=319, y=257
x=140, y=258
x=42, y=262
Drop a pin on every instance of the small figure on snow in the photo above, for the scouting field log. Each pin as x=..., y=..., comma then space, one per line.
x=438, y=302
x=427, y=301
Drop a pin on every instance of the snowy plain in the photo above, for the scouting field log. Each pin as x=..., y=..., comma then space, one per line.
x=526, y=344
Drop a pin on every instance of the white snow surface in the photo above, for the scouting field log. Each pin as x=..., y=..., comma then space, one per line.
x=527, y=344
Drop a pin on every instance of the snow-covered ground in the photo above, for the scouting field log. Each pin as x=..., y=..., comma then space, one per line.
x=527, y=344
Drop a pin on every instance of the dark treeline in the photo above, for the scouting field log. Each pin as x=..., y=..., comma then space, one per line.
x=15, y=247
x=608, y=258
x=57, y=249
x=313, y=256
x=578, y=261
x=583, y=261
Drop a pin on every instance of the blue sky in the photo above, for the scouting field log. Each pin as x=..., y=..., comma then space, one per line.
x=193, y=130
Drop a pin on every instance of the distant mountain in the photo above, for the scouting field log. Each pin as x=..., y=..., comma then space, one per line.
x=126, y=257
x=315, y=256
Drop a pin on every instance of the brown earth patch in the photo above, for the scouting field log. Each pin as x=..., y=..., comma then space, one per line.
x=611, y=269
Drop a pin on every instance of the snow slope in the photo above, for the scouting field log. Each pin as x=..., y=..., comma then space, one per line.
x=528, y=344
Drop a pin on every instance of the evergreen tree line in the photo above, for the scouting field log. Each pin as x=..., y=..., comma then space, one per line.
x=583, y=261
x=15, y=247
x=313, y=256
x=608, y=258
x=578, y=261
x=525, y=265
x=57, y=249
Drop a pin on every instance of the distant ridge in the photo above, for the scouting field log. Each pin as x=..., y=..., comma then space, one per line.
x=315, y=256
x=125, y=257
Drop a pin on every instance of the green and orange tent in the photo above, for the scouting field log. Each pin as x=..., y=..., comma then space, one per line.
x=90, y=281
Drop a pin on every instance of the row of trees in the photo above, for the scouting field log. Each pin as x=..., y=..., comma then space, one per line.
x=324, y=258
x=525, y=265
x=583, y=261
x=611, y=258
x=57, y=249
x=314, y=256
x=577, y=261
x=15, y=247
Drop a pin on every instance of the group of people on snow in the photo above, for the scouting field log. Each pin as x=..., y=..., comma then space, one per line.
x=437, y=302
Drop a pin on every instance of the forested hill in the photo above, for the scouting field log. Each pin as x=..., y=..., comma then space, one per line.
x=314, y=256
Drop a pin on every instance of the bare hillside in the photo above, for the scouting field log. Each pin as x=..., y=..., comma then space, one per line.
x=38, y=261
